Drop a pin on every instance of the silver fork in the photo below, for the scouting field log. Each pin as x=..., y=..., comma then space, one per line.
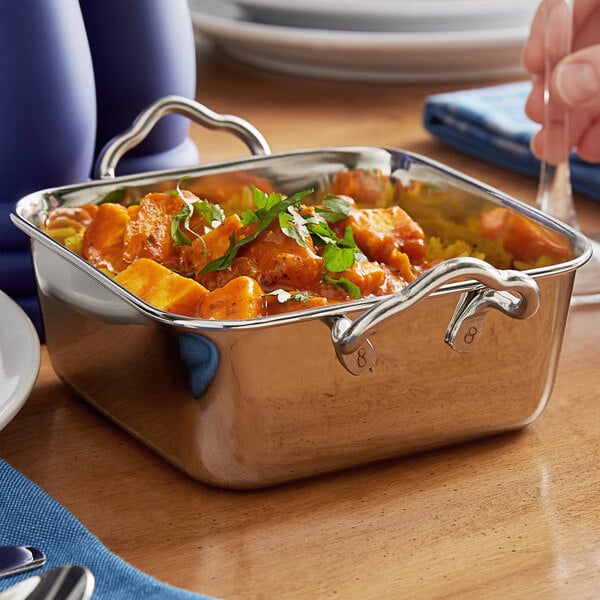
x=555, y=196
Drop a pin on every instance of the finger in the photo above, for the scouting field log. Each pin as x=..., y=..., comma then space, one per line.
x=576, y=80
x=586, y=24
x=533, y=51
x=534, y=105
x=548, y=145
x=549, y=142
x=588, y=147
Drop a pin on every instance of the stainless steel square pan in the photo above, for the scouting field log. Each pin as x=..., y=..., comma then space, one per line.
x=466, y=350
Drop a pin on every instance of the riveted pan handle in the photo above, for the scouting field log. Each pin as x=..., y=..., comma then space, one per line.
x=514, y=293
x=114, y=149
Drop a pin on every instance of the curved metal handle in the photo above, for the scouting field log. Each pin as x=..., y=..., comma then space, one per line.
x=356, y=352
x=115, y=148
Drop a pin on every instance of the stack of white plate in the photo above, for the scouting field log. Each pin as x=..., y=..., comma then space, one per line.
x=371, y=40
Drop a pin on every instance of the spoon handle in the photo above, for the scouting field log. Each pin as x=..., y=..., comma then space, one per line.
x=14, y=559
x=554, y=195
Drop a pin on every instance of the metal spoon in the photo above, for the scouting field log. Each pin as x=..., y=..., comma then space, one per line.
x=555, y=196
x=70, y=582
x=15, y=559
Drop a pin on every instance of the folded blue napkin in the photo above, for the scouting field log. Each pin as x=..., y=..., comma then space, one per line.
x=30, y=517
x=490, y=123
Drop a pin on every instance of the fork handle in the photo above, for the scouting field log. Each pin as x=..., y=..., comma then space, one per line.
x=554, y=195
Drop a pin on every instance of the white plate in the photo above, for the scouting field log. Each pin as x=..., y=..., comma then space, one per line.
x=19, y=358
x=392, y=15
x=360, y=55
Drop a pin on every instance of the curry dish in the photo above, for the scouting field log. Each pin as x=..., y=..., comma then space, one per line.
x=227, y=249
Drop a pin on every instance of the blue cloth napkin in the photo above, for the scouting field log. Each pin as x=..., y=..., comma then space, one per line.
x=30, y=517
x=490, y=123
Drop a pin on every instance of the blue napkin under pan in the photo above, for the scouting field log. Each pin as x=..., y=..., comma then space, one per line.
x=490, y=123
x=30, y=517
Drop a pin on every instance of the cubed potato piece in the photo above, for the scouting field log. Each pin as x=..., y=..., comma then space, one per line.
x=103, y=241
x=162, y=288
x=388, y=235
x=240, y=298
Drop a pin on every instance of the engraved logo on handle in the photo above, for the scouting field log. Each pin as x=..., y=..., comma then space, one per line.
x=361, y=360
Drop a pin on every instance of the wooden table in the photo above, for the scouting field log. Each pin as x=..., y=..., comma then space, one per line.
x=511, y=516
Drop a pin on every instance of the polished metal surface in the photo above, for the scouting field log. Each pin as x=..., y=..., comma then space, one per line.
x=349, y=338
x=244, y=404
x=15, y=559
x=114, y=150
x=69, y=582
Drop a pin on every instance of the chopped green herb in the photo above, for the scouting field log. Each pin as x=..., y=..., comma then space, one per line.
x=184, y=215
x=213, y=214
x=335, y=208
x=352, y=289
x=264, y=202
x=248, y=216
x=293, y=224
x=270, y=207
x=118, y=195
x=320, y=231
x=283, y=296
x=336, y=259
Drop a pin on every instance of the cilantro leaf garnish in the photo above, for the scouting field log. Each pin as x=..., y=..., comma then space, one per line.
x=248, y=216
x=340, y=255
x=320, y=232
x=212, y=214
x=335, y=208
x=293, y=224
x=264, y=202
x=115, y=196
x=184, y=216
x=270, y=207
x=283, y=296
x=352, y=289
x=336, y=259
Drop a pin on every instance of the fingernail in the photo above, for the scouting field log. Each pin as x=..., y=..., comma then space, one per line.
x=577, y=82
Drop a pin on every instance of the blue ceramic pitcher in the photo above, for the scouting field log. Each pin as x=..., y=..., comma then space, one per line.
x=47, y=120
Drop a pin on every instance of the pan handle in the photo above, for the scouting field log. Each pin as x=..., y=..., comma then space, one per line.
x=115, y=148
x=514, y=293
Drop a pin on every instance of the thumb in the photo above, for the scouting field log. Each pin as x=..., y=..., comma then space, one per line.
x=576, y=79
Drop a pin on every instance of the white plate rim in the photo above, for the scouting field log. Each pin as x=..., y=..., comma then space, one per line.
x=233, y=27
x=18, y=337
x=319, y=52
x=392, y=8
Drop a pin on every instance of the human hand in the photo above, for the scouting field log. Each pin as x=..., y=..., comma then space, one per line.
x=575, y=81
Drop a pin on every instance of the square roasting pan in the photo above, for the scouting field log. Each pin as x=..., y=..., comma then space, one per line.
x=465, y=351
